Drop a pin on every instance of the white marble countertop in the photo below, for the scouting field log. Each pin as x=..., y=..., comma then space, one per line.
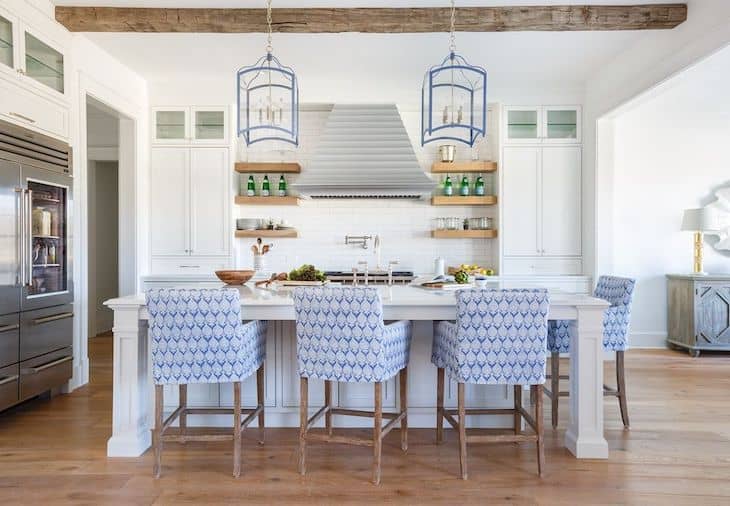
x=396, y=295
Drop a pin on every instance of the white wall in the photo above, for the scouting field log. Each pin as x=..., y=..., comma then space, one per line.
x=670, y=153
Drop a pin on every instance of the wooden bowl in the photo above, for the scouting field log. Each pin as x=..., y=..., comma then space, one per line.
x=235, y=277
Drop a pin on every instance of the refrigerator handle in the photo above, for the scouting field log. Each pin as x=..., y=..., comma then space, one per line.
x=20, y=248
x=29, y=238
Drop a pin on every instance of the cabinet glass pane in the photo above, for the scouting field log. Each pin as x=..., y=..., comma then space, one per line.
x=6, y=42
x=50, y=239
x=562, y=124
x=209, y=125
x=170, y=124
x=43, y=63
x=522, y=124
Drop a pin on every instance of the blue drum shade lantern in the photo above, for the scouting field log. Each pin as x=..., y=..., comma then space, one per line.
x=268, y=98
x=454, y=98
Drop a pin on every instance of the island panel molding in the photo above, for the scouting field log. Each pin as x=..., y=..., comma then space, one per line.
x=375, y=20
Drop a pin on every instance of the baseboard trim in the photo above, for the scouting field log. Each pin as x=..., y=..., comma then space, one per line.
x=648, y=340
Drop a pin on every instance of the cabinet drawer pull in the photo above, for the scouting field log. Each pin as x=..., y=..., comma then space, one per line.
x=24, y=118
x=190, y=267
x=7, y=328
x=40, y=368
x=9, y=379
x=52, y=318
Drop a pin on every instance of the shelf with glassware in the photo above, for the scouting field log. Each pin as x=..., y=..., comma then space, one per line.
x=253, y=192
x=480, y=191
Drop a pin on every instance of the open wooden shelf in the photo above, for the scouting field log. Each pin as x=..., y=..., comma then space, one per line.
x=267, y=233
x=464, y=234
x=269, y=167
x=267, y=201
x=456, y=200
x=474, y=166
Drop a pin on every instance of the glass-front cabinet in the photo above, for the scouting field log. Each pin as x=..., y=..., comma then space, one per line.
x=190, y=125
x=43, y=63
x=542, y=124
x=48, y=238
x=7, y=42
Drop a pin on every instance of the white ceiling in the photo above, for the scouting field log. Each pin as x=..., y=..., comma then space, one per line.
x=513, y=59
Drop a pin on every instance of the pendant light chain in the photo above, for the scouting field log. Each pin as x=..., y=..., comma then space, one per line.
x=452, y=36
x=269, y=48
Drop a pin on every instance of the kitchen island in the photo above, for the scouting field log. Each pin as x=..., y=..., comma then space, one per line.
x=133, y=388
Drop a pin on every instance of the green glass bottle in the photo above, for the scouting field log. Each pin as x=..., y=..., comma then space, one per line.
x=479, y=186
x=251, y=186
x=282, y=186
x=265, y=187
x=464, y=188
x=448, y=187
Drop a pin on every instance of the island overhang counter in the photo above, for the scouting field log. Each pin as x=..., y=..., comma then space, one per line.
x=133, y=389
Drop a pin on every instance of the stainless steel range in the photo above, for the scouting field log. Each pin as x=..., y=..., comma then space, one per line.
x=378, y=277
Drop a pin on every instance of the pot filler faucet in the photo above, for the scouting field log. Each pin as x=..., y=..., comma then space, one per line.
x=358, y=240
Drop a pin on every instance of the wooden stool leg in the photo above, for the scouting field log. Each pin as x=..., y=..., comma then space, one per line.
x=303, y=400
x=403, y=383
x=621, y=387
x=540, y=429
x=236, y=429
x=440, y=406
x=260, y=400
x=462, y=432
x=328, y=404
x=517, y=422
x=377, y=432
x=554, y=387
x=157, y=434
x=183, y=394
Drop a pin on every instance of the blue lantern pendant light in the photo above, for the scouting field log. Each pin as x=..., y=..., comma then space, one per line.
x=454, y=98
x=268, y=98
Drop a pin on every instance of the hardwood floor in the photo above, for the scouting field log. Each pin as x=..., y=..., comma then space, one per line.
x=52, y=451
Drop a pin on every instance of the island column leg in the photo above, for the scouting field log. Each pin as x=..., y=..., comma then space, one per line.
x=131, y=435
x=584, y=436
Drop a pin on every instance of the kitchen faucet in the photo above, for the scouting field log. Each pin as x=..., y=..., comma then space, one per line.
x=377, y=249
x=358, y=240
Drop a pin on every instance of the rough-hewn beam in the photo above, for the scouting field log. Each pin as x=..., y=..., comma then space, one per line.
x=376, y=20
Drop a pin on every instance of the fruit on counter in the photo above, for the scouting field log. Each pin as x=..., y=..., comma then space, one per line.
x=461, y=277
x=472, y=269
x=307, y=272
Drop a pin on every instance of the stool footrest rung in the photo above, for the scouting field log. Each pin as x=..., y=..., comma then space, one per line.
x=389, y=426
x=337, y=439
x=501, y=438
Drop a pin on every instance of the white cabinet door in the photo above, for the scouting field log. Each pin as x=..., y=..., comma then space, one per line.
x=520, y=175
x=170, y=125
x=209, y=202
x=522, y=125
x=561, y=124
x=170, y=201
x=209, y=125
x=561, y=201
x=29, y=109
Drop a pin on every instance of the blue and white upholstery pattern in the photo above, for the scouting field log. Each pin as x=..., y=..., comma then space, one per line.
x=499, y=338
x=341, y=335
x=619, y=292
x=198, y=337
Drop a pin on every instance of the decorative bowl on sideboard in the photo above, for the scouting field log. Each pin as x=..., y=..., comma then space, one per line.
x=235, y=277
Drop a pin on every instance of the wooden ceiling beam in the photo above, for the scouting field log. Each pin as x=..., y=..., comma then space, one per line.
x=375, y=20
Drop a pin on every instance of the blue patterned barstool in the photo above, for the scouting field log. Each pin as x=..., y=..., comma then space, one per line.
x=341, y=337
x=198, y=337
x=618, y=292
x=499, y=338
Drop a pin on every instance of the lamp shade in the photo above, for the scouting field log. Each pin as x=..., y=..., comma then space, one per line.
x=700, y=220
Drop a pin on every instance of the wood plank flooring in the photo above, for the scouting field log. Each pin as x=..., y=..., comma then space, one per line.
x=52, y=451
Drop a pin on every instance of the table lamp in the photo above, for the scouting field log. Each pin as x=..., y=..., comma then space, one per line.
x=700, y=221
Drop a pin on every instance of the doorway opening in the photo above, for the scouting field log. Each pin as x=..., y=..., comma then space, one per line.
x=102, y=139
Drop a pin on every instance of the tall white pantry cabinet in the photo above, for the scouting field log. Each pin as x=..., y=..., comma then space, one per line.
x=541, y=191
x=190, y=219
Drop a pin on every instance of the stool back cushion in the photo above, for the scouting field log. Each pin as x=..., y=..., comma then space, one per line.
x=502, y=336
x=619, y=292
x=196, y=335
x=340, y=333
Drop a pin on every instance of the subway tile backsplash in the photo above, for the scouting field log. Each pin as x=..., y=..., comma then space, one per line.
x=404, y=226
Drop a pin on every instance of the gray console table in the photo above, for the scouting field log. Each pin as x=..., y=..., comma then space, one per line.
x=699, y=312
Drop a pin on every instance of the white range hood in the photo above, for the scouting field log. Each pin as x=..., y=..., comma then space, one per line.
x=364, y=152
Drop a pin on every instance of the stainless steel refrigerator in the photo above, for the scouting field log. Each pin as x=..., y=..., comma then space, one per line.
x=36, y=288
